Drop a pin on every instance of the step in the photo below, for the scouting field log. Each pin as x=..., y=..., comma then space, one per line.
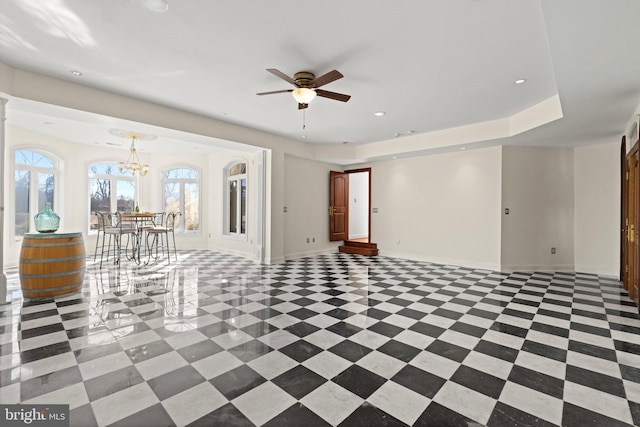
x=358, y=248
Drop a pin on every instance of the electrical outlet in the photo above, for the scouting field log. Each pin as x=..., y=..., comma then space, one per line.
x=285, y=209
x=553, y=251
x=308, y=240
x=313, y=240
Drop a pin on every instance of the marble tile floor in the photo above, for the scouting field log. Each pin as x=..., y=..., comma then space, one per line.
x=335, y=340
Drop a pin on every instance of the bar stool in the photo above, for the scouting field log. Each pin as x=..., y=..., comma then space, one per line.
x=160, y=238
x=112, y=226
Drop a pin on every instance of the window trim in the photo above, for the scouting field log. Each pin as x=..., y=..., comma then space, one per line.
x=113, y=179
x=227, y=200
x=57, y=186
x=162, y=202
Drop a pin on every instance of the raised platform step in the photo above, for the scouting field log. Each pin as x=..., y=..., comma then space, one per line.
x=359, y=248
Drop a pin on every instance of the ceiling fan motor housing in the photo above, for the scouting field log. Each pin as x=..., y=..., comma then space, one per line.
x=304, y=79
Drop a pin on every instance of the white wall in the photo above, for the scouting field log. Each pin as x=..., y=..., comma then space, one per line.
x=597, y=209
x=537, y=188
x=443, y=208
x=358, y=205
x=306, y=198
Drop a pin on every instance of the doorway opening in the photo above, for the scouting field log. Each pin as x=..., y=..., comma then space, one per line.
x=350, y=211
x=359, y=205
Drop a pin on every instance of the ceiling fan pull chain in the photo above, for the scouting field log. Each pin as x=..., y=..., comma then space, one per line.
x=304, y=119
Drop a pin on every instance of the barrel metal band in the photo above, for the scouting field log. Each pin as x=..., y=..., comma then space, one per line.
x=50, y=245
x=48, y=260
x=49, y=275
x=25, y=292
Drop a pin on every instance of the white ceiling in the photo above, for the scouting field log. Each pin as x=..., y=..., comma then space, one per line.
x=429, y=64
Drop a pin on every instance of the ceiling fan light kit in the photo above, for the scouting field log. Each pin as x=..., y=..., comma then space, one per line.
x=307, y=85
x=303, y=95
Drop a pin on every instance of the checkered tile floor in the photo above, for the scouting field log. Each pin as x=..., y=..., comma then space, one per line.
x=215, y=340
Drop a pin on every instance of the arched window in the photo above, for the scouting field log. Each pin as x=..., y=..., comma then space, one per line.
x=236, y=199
x=182, y=194
x=36, y=176
x=110, y=190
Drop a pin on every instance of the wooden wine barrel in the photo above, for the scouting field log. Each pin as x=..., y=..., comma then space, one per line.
x=51, y=264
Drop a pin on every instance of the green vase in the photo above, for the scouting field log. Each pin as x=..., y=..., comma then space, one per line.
x=47, y=221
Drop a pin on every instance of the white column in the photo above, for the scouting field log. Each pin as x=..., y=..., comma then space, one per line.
x=3, y=277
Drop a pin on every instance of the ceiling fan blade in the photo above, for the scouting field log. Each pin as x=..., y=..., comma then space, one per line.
x=275, y=91
x=331, y=76
x=302, y=106
x=333, y=95
x=283, y=76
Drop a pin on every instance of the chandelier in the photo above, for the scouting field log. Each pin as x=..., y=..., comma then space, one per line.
x=133, y=163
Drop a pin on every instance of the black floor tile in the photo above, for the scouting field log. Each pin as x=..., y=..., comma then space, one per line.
x=199, y=350
x=227, y=416
x=368, y=415
x=479, y=381
x=112, y=382
x=297, y=415
x=595, y=380
x=506, y=416
x=575, y=416
x=237, y=381
x=450, y=351
x=155, y=416
x=417, y=380
x=359, y=381
x=537, y=381
x=437, y=415
x=350, y=350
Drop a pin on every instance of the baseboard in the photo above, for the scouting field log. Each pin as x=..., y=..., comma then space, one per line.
x=443, y=261
x=298, y=255
x=541, y=268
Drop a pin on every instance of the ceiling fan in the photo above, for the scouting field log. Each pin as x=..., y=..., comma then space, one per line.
x=307, y=85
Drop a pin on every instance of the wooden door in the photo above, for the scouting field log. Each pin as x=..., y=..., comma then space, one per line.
x=338, y=206
x=623, y=210
x=633, y=293
x=630, y=225
x=626, y=249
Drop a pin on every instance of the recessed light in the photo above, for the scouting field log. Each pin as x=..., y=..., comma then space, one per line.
x=157, y=5
x=379, y=113
x=76, y=73
x=304, y=136
x=463, y=148
x=394, y=157
x=410, y=131
x=520, y=81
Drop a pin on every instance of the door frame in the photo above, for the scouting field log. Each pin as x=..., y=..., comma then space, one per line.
x=368, y=171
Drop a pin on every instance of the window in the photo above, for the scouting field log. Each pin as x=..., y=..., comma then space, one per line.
x=236, y=203
x=35, y=181
x=109, y=191
x=182, y=194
